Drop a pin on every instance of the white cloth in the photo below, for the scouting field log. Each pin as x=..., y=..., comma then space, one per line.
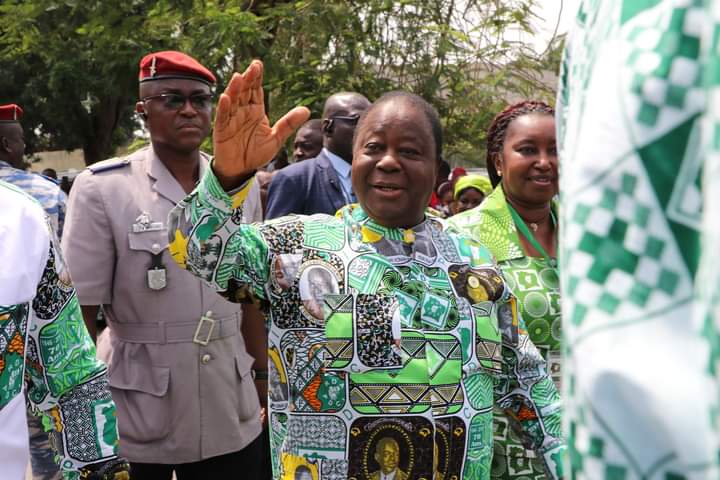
x=24, y=245
x=14, y=448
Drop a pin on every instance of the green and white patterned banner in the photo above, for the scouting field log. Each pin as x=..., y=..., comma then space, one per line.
x=638, y=134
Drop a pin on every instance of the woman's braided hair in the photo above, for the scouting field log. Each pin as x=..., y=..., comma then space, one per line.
x=498, y=129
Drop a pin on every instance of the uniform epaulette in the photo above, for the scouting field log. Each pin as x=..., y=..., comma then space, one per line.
x=110, y=164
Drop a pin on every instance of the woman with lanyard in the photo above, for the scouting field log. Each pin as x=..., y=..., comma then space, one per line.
x=517, y=222
x=415, y=337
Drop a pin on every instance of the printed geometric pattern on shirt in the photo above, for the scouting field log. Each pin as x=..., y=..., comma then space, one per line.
x=316, y=436
x=35, y=373
x=396, y=391
x=13, y=327
x=53, y=292
x=333, y=469
x=285, y=236
x=88, y=417
x=374, y=317
x=444, y=357
x=323, y=233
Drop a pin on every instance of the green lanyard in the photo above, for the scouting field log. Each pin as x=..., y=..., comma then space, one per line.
x=520, y=224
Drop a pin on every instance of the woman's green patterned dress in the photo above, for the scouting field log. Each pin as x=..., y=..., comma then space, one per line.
x=536, y=286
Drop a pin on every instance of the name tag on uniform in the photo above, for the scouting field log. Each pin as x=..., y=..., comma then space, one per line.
x=147, y=227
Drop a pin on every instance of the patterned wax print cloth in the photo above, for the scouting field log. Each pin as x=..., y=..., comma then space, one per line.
x=41, y=188
x=637, y=127
x=535, y=284
x=45, y=349
x=384, y=344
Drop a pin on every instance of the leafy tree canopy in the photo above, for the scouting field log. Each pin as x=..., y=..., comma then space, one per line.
x=72, y=64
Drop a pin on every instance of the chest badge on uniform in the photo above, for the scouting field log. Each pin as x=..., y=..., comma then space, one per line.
x=143, y=223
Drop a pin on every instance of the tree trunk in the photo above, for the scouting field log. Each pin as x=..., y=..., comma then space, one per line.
x=105, y=117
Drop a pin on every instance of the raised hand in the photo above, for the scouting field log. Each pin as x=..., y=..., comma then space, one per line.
x=243, y=140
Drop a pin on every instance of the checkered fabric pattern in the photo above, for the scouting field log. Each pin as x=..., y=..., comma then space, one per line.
x=663, y=55
x=637, y=139
x=620, y=264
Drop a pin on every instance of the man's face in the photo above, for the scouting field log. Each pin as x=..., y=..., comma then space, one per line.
x=388, y=457
x=12, y=144
x=308, y=143
x=180, y=128
x=394, y=164
x=319, y=286
x=339, y=126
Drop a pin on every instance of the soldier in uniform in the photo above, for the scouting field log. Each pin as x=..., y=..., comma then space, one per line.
x=178, y=368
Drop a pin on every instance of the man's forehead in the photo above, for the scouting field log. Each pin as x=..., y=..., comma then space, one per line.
x=307, y=131
x=345, y=104
x=173, y=85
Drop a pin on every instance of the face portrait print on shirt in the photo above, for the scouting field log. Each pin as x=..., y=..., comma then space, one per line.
x=316, y=281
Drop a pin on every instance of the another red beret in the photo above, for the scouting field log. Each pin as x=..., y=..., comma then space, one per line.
x=171, y=64
x=10, y=113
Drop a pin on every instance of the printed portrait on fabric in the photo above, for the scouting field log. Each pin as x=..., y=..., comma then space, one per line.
x=449, y=448
x=398, y=448
x=277, y=383
x=298, y=468
x=284, y=270
x=316, y=281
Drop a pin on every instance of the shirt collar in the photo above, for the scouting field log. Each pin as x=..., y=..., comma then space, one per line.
x=341, y=166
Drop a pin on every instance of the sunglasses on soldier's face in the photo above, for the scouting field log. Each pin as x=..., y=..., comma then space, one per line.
x=176, y=101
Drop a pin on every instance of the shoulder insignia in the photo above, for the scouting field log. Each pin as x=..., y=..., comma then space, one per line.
x=110, y=164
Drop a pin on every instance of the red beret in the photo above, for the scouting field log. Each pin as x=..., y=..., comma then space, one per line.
x=171, y=64
x=10, y=113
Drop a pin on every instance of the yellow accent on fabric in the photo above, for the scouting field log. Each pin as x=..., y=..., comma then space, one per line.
x=55, y=415
x=290, y=464
x=409, y=236
x=178, y=248
x=239, y=197
x=370, y=236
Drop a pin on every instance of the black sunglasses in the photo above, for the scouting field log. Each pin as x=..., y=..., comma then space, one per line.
x=351, y=119
x=176, y=101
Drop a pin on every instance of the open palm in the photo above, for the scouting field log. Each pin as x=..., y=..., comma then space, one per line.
x=243, y=139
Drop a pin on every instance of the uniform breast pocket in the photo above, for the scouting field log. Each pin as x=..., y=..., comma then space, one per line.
x=154, y=241
x=152, y=245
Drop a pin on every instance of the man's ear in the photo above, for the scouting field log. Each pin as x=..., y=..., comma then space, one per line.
x=327, y=126
x=4, y=144
x=140, y=110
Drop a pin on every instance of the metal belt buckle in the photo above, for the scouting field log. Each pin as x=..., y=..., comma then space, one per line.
x=199, y=328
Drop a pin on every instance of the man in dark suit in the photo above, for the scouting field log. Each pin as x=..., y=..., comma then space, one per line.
x=321, y=184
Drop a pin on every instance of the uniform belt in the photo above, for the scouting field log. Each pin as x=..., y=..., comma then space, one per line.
x=203, y=331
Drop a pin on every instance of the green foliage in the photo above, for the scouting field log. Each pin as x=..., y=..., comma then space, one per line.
x=73, y=64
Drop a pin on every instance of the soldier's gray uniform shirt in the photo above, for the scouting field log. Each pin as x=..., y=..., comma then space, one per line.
x=178, y=401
